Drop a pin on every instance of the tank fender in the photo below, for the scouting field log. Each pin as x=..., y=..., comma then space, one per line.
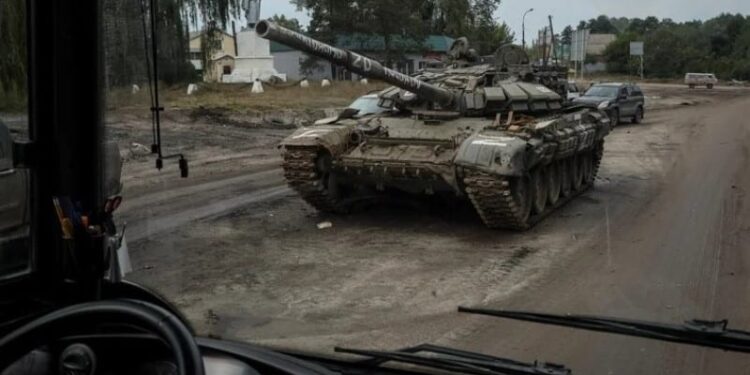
x=537, y=152
x=336, y=139
x=495, y=154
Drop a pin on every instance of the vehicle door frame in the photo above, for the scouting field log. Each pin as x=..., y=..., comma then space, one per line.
x=13, y=194
x=622, y=103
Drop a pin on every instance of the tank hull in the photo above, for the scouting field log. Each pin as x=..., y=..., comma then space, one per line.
x=513, y=177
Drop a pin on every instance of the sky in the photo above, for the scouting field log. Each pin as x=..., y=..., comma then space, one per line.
x=570, y=12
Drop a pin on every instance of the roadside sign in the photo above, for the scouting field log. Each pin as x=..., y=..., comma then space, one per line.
x=636, y=48
x=578, y=45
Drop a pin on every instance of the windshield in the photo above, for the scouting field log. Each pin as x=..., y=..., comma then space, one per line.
x=602, y=91
x=265, y=217
x=367, y=105
x=15, y=252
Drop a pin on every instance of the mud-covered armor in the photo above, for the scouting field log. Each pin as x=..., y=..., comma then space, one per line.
x=493, y=131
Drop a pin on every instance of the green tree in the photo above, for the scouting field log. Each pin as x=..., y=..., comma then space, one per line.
x=289, y=23
x=125, y=55
x=388, y=18
x=470, y=18
x=13, y=56
x=601, y=25
x=566, y=36
x=329, y=17
x=720, y=45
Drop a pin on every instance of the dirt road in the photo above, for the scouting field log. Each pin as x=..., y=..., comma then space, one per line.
x=662, y=236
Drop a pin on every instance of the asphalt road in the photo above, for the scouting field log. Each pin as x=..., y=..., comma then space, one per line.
x=661, y=237
x=683, y=254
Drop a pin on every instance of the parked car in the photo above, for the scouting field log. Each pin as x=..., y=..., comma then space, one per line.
x=619, y=100
x=700, y=79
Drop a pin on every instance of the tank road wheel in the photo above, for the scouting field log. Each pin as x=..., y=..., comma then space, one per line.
x=566, y=176
x=596, y=159
x=308, y=172
x=521, y=191
x=501, y=201
x=538, y=190
x=578, y=170
x=588, y=168
x=553, y=182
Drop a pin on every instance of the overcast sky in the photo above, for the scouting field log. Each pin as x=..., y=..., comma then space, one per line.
x=570, y=12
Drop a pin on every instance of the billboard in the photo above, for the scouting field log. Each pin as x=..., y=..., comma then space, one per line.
x=578, y=45
x=636, y=48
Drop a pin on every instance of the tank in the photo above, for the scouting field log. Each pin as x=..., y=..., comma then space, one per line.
x=491, y=130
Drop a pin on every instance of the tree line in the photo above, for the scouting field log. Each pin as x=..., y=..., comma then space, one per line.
x=719, y=45
x=411, y=20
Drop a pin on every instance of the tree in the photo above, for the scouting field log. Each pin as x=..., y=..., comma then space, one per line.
x=486, y=33
x=13, y=56
x=602, y=25
x=473, y=19
x=566, y=36
x=450, y=17
x=125, y=54
x=388, y=18
x=329, y=17
x=289, y=23
x=720, y=45
x=384, y=19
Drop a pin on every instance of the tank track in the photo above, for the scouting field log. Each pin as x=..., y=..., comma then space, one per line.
x=302, y=176
x=492, y=197
x=598, y=154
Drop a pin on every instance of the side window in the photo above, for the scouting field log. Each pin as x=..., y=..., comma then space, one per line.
x=624, y=91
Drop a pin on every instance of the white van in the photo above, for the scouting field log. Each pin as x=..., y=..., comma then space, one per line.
x=700, y=79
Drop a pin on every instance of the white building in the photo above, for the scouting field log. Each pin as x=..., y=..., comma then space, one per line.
x=291, y=62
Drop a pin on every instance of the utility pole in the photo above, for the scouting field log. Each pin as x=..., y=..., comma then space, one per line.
x=544, y=47
x=523, y=28
x=552, y=40
x=234, y=36
x=641, y=67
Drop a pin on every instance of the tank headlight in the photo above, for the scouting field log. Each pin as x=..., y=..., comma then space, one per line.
x=408, y=96
x=604, y=104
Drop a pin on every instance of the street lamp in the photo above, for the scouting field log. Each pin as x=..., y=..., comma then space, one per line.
x=523, y=28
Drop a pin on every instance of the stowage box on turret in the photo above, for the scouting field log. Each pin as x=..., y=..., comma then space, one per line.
x=494, y=133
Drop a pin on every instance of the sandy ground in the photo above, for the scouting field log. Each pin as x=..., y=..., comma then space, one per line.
x=660, y=237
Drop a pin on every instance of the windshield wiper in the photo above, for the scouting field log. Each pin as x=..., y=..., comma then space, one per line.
x=713, y=334
x=442, y=358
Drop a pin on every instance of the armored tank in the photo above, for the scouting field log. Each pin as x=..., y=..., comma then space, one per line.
x=495, y=133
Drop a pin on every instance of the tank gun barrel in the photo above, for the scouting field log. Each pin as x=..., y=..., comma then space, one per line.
x=354, y=62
